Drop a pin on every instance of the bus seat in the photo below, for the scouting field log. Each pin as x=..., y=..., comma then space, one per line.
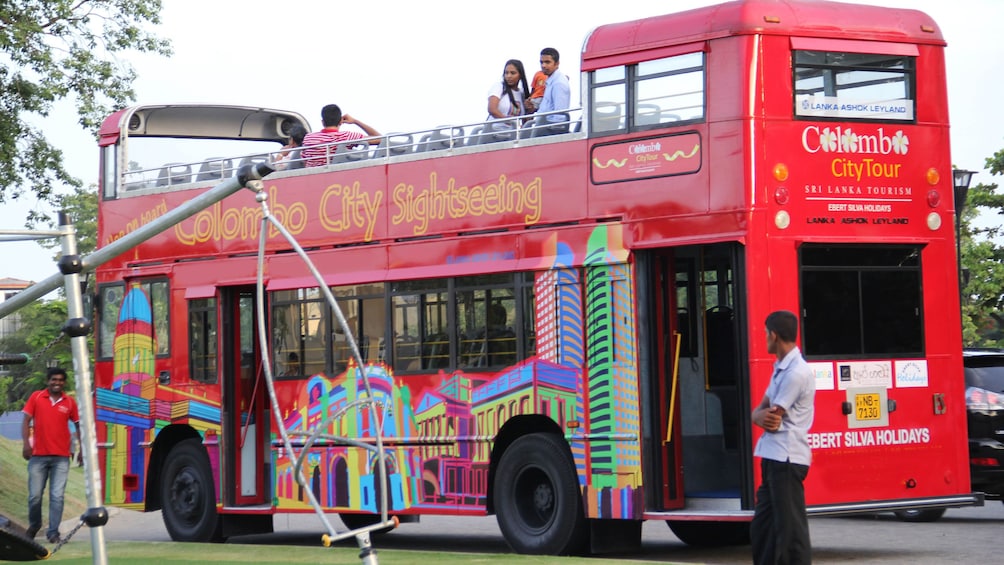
x=722, y=350
x=406, y=354
x=360, y=152
x=445, y=137
x=296, y=161
x=647, y=114
x=542, y=127
x=423, y=143
x=488, y=135
x=174, y=173
x=501, y=347
x=475, y=137
x=436, y=351
x=253, y=159
x=728, y=398
x=347, y=151
x=578, y=126
x=215, y=168
x=713, y=419
x=606, y=116
x=394, y=144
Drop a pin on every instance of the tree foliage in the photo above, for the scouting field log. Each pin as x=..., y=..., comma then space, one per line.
x=982, y=260
x=51, y=50
x=81, y=206
x=40, y=324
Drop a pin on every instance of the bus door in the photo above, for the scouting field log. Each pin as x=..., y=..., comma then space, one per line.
x=714, y=379
x=244, y=400
x=659, y=302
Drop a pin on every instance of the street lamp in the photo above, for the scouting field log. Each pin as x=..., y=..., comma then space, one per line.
x=960, y=182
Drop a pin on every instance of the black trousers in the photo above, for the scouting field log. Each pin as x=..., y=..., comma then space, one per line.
x=780, y=529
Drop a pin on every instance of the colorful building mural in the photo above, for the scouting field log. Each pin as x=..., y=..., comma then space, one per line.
x=136, y=407
x=438, y=428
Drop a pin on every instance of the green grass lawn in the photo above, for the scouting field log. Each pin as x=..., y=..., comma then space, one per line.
x=236, y=554
x=14, y=505
x=14, y=487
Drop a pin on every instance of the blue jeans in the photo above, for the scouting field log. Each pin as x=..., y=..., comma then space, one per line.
x=42, y=468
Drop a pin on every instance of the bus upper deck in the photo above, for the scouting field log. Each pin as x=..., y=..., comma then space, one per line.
x=235, y=136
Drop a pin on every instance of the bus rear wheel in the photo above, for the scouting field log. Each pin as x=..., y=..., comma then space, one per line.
x=926, y=515
x=538, y=503
x=711, y=534
x=188, y=494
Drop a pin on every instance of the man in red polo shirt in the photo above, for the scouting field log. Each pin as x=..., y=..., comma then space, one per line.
x=47, y=450
x=316, y=146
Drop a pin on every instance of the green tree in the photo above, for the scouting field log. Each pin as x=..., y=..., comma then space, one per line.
x=982, y=261
x=63, y=49
x=41, y=324
x=81, y=206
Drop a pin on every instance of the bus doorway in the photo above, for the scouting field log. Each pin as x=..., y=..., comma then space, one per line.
x=700, y=384
x=244, y=423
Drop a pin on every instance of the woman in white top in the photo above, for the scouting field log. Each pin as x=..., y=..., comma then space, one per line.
x=506, y=98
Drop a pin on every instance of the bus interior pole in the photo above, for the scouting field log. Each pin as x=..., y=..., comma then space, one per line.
x=114, y=249
x=77, y=327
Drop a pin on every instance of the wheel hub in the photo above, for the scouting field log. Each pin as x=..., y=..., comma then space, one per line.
x=185, y=494
x=543, y=498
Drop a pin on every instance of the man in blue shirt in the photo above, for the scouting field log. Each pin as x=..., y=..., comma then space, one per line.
x=780, y=530
x=557, y=95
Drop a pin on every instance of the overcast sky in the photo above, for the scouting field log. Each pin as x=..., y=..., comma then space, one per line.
x=409, y=65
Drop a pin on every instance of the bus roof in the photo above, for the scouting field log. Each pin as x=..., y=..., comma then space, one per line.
x=200, y=121
x=640, y=40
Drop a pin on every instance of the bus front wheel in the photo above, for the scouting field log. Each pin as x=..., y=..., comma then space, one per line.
x=708, y=534
x=538, y=503
x=188, y=495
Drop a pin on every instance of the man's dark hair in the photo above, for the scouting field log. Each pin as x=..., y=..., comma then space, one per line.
x=784, y=324
x=297, y=133
x=331, y=115
x=550, y=51
x=55, y=371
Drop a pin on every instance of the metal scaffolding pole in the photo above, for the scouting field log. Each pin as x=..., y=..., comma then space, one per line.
x=77, y=327
x=71, y=266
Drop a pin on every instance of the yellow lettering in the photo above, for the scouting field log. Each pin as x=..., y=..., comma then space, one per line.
x=421, y=206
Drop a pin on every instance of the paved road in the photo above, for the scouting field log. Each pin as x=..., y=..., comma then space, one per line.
x=968, y=535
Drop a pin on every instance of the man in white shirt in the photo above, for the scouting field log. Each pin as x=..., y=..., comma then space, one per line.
x=780, y=529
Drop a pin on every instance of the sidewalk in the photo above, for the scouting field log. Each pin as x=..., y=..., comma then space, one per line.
x=123, y=525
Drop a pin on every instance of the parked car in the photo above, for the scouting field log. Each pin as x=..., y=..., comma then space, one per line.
x=983, y=373
x=984, y=376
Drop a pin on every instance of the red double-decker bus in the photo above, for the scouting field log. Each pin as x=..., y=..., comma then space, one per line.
x=563, y=323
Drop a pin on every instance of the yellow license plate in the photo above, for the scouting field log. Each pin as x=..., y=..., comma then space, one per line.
x=866, y=406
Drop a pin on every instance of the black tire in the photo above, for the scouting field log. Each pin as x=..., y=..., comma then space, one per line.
x=925, y=515
x=356, y=521
x=711, y=534
x=538, y=502
x=15, y=545
x=188, y=494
